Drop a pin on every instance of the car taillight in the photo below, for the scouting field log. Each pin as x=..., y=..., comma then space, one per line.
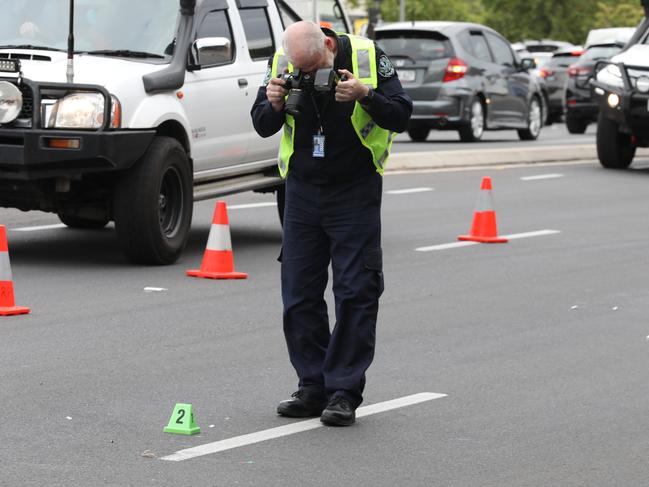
x=574, y=71
x=545, y=73
x=455, y=70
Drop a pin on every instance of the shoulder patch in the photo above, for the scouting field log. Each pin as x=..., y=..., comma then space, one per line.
x=385, y=67
x=269, y=75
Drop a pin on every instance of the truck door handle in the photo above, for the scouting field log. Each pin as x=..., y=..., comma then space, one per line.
x=243, y=82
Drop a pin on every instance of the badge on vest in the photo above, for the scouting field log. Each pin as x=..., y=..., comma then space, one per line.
x=319, y=146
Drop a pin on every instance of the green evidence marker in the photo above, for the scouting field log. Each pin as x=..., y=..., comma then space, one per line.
x=182, y=421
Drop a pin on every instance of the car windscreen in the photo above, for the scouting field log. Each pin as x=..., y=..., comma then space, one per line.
x=416, y=45
x=146, y=26
x=542, y=48
x=563, y=61
x=601, y=52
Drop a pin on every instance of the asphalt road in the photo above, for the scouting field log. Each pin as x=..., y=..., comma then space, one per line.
x=539, y=345
x=442, y=140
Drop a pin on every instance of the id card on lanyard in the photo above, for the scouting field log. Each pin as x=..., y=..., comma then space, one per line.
x=319, y=146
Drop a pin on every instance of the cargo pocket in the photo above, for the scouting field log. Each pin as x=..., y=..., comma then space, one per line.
x=373, y=261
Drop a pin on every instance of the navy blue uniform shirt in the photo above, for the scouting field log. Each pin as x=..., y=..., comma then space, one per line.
x=346, y=158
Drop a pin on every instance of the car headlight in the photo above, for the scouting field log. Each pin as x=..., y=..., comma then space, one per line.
x=83, y=111
x=11, y=102
x=642, y=84
x=611, y=76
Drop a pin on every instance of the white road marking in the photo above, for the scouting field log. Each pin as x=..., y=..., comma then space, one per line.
x=514, y=236
x=252, y=205
x=42, y=227
x=409, y=191
x=541, y=176
x=291, y=429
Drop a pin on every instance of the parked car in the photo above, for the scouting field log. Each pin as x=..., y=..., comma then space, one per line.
x=580, y=108
x=546, y=46
x=155, y=116
x=462, y=77
x=621, y=90
x=610, y=35
x=555, y=74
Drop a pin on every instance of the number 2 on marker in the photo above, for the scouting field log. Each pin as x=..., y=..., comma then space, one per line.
x=181, y=415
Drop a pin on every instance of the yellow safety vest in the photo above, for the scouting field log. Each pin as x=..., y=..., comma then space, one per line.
x=378, y=140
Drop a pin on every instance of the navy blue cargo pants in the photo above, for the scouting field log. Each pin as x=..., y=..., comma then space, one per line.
x=338, y=224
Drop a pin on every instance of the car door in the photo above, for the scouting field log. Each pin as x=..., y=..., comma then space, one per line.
x=215, y=95
x=258, y=26
x=495, y=88
x=513, y=84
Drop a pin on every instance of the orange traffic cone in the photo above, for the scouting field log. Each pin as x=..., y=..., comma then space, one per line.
x=218, y=261
x=7, y=304
x=483, y=228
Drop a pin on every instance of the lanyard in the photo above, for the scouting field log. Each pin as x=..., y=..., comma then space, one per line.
x=317, y=113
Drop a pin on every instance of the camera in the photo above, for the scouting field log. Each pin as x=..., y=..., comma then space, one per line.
x=301, y=85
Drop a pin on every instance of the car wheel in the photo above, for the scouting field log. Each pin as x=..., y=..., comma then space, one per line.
x=576, y=125
x=534, y=121
x=419, y=134
x=472, y=132
x=153, y=204
x=84, y=223
x=614, y=148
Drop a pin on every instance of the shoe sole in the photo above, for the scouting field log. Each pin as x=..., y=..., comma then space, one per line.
x=332, y=420
x=298, y=414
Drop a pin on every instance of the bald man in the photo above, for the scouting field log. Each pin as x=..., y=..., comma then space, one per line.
x=332, y=155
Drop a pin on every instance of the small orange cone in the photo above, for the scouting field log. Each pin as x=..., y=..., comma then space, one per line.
x=218, y=261
x=7, y=304
x=484, y=228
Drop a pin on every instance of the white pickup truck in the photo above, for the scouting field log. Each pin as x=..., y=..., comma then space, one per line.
x=150, y=114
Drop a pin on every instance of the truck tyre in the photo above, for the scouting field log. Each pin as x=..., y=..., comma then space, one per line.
x=153, y=204
x=576, y=125
x=534, y=121
x=614, y=148
x=419, y=134
x=472, y=132
x=83, y=223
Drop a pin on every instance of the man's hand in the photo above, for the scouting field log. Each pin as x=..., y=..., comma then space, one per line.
x=351, y=89
x=275, y=92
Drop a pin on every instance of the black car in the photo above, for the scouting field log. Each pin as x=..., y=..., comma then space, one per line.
x=463, y=77
x=555, y=74
x=581, y=110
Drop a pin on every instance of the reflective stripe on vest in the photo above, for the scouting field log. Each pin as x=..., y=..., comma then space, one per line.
x=377, y=140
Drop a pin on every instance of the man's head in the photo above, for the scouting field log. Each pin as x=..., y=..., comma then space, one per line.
x=307, y=47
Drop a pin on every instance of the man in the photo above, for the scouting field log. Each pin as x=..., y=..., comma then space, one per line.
x=332, y=155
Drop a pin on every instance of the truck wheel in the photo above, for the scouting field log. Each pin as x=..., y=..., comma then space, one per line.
x=472, y=132
x=614, y=148
x=153, y=204
x=576, y=125
x=77, y=222
x=419, y=134
x=534, y=121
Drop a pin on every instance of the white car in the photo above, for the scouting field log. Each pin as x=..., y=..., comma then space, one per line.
x=152, y=114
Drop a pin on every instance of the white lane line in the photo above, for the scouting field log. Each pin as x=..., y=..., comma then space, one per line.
x=291, y=429
x=252, y=205
x=42, y=227
x=409, y=191
x=541, y=176
x=513, y=236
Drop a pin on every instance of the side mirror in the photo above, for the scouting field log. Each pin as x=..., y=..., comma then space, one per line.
x=528, y=63
x=211, y=50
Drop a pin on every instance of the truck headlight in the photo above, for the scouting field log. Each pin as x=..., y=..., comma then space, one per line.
x=642, y=84
x=11, y=102
x=611, y=76
x=83, y=111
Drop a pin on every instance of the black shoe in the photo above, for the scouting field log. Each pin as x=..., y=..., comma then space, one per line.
x=303, y=404
x=339, y=412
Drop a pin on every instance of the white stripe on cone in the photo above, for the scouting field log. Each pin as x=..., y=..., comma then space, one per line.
x=219, y=238
x=5, y=267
